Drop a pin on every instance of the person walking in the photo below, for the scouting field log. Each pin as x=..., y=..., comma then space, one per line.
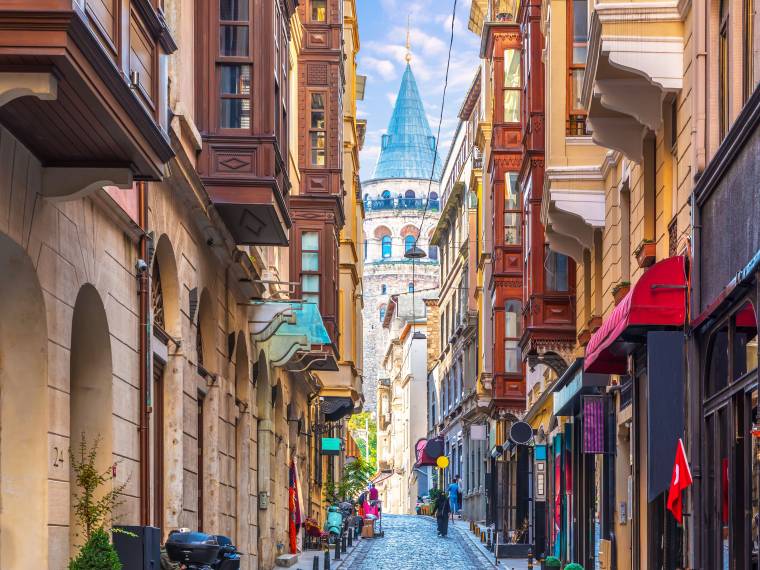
x=454, y=496
x=441, y=509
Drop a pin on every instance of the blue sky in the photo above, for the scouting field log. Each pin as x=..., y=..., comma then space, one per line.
x=382, y=31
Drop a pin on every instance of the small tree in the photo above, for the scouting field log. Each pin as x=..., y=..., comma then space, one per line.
x=97, y=554
x=93, y=508
x=356, y=476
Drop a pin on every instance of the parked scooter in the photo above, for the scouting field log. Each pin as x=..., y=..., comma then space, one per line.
x=334, y=523
x=200, y=551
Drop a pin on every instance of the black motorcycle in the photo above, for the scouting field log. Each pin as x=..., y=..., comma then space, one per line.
x=200, y=551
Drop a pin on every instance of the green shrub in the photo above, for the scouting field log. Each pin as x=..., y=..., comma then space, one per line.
x=97, y=554
x=552, y=562
x=573, y=566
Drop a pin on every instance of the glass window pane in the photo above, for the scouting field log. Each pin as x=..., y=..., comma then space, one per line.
x=310, y=262
x=318, y=149
x=580, y=30
x=512, y=197
x=233, y=40
x=511, y=68
x=576, y=88
x=386, y=243
x=310, y=283
x=745, y=358
x=512, y=229
x=717, y=362
x=235, y=114
x=235, y=79
x=319, y=10
x=512, y=106
x=233, y=10
x=310, y=241
x=408, y=243
x=317, y=119
x=317, y=101
x=512, y=356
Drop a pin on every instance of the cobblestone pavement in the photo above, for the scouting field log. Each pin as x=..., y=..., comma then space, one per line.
x=412, y=543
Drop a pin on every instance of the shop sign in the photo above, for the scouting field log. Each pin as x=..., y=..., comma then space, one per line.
x=331, y=446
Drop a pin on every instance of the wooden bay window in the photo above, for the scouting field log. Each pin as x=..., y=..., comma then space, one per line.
x=577, y=51
x=512, y=210
x=511, y=86
x=234, y=64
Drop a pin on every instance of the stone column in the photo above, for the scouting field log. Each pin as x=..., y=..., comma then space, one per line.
x=173, y=440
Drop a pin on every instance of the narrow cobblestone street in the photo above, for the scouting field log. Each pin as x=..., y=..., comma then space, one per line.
x=411, y=543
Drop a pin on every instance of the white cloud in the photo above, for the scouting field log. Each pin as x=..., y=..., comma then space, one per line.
x=383, y=67
x=391, y=98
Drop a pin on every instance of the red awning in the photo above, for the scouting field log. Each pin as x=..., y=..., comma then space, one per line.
x=658, y=299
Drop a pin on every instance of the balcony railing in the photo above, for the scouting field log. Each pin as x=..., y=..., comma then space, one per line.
x=401, y=204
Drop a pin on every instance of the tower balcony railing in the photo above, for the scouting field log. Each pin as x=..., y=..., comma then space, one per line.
x=401, y=204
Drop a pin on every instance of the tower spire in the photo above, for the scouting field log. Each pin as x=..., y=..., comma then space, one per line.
x=408, y=44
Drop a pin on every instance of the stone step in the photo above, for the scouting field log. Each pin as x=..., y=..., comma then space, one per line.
x=286, y=560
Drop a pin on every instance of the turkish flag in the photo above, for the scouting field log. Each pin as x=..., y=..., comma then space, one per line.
x=680, y=481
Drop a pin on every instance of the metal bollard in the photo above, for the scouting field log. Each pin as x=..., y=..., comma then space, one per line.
x=315, y=563
x=351, y=537
x=488, y=542
x=337, y=548
x=530, y=560
x=343, y=543
x=327, y=559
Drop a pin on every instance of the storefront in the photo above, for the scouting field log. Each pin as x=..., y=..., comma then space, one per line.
x=644, y=339
x=582, y=465
x=723, y=380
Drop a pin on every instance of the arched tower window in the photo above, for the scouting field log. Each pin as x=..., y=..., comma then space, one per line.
x=386, y=246
x=410, y=287
x=382, y=313
x=383, y=289
x=408, y=243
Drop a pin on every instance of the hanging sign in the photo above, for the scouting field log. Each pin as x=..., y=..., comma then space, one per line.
x=442, y=462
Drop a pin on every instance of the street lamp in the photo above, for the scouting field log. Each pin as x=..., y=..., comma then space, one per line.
x=415, y=252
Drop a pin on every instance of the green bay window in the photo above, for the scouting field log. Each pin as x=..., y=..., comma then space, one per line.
x=511, y=85
x=310, y=270
x=234, y=64
x=318, y=130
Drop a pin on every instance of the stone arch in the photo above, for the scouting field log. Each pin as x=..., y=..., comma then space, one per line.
x=165, y=265
x=91, y=385
x=381, y=231
x=410, y=230
x=205, y=339
x=23, y=412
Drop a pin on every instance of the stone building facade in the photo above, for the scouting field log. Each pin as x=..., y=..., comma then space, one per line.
x=144, y=274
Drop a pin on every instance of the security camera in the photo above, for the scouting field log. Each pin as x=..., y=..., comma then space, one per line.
x=141, y=266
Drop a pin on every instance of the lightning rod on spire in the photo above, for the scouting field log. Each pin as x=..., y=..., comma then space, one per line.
x=408, y=44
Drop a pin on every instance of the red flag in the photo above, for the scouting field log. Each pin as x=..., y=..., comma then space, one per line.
x=680, y=481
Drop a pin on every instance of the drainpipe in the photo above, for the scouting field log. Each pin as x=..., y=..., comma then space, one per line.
x=144, y=355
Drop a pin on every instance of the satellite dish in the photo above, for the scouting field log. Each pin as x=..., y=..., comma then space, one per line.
x=521, y=433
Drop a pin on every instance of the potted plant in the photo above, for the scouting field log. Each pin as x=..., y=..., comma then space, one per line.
x=573, y=566
x=646, y=253
x=93, y=509
x=620, y=290
x=551, y=562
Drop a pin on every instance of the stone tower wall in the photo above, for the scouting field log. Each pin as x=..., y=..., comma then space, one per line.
x=394, y=272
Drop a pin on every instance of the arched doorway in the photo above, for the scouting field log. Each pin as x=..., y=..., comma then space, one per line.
x=91, y=382
x=23, y=412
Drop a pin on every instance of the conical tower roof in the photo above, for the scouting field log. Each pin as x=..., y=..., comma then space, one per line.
x=408, y=148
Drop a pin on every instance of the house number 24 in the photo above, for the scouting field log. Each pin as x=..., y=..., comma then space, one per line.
x=57, y=456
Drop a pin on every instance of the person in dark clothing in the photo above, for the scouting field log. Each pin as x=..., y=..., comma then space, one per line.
x=442, y=510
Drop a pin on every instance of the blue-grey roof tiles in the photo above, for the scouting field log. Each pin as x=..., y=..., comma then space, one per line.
x=408, y=148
